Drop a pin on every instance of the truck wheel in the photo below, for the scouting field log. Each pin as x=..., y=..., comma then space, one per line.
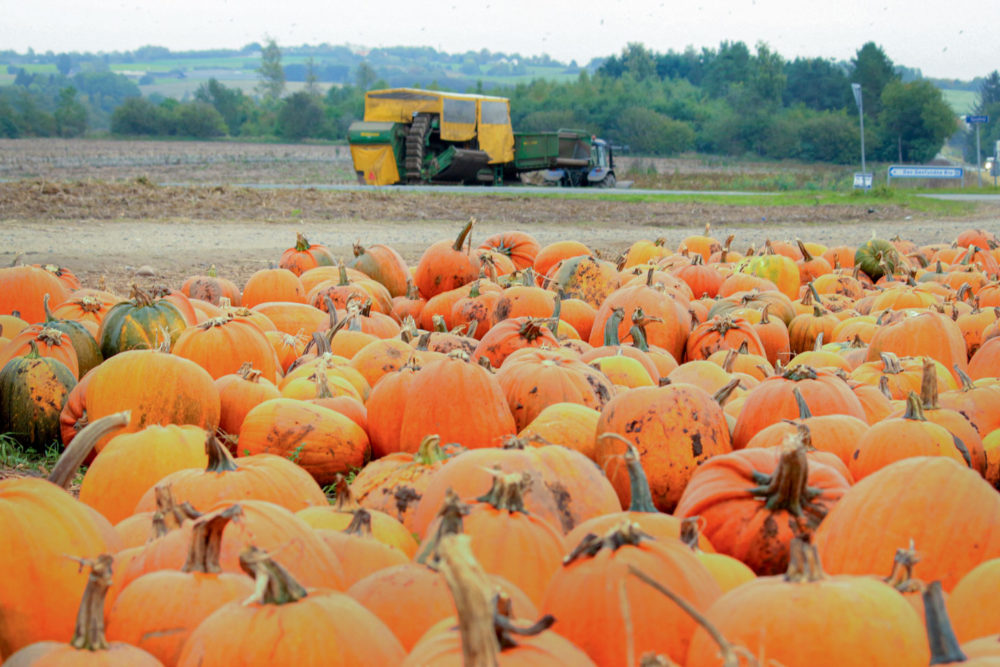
x=608, y=182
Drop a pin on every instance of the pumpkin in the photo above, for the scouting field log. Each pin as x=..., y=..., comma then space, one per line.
x=222, y=345
x=23, y=288
x=158, y=611
x=924, y=334
x=88, y=645
x=255, y=632
x=41, y=524
x=675, y=428
x=157, y=388
x=445, y=265
x=506, y=540
x=131, y=463
x=610, y=614
x=273, y=285
x=889, y=508
x=304, y=256
x=211, y=288
x=753, y=501
x=761, y=617
x=88, y=353
x=878, y=258
x=359, y=552
x=395, y=483
x=141, y=323
x=779, y=269
x=33, y=391
x=721, y=333
x=584, y=277
x=485, y=634
x=48, y=342
x=727, y=571
x=513, y=334
x=571, y=425
x=239, y=393
x=382, y=263
x=520, y=247
x=320, y=440
x=221, y=477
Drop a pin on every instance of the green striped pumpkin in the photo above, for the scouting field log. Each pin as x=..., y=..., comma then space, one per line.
x=141, y=323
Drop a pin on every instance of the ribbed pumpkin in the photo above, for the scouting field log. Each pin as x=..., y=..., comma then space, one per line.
x=259, y=477
x=273, y=285
x=773, y=400
x=460, y=401
x=799, y=619
x=566, y=487
x=210, y=287
x=41, y=525
x=534, y=379
x=304, y=256
x=568, y=424
x=50, y=343
x=754, y=501
x=131, y=463
x=23, y=288
x=33, y=391
x=506, y=540
x=320, y=440
x=88, y=352
x=956, y=532
x=584, y=277
x=141, y=323
x=675, y=428
x=395, y=483
x=260, y=523
x=158, y=611
x=513, y=334
x=239, y=393
x=157, y=388
x=384, y=264
x=924, y=334
x=445, y=265
x=88, y=646
x=485, y=633
x=255, y=632
x=614, y=617
x=222, y=345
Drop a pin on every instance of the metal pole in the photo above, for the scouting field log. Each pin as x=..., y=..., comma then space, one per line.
x=979, y=162
x=856, y=88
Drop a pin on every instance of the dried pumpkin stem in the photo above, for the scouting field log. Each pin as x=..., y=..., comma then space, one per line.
x=89, y=631
x=82, y=445
x=274, y=585
x=206, y=540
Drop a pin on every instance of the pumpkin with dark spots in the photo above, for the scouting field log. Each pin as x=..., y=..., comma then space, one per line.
x=33, y=391
x=320, y=440
x=752, y=502
x=654, y=419
x=446, y=265
x=585, y=278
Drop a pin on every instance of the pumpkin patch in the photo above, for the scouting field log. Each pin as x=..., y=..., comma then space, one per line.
x=496, y=446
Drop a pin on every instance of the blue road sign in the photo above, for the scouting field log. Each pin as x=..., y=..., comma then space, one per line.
x=924, y=171
x=977, y=119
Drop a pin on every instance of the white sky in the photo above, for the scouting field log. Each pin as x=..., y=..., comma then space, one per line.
x=944, y=39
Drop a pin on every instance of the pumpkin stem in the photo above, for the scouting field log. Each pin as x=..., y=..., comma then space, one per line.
x=206, y=540
x=806, y=255
x=449, y=523
x=940, y=636
x=787, y=487
x=473, y=602
x=361, y=523
x=901, y=576
x=626, y=533
x=301, y=242
x=723, y=394
x=611, y=327
x=730, y=653
x=248, y=372
x=343, y=498
x=800, y=401
x=914, y=409
x=642, y=497
x=219, y=458
x=274, y=585
x=507, y=492
x=691, y=531
x=89, y=631
x=963, y=377
x=460, y=240
x=803, y=562
x=929, y=385
x=167, y=507
x=82, y=444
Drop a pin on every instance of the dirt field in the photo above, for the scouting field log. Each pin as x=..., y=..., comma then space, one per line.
x=97, y=208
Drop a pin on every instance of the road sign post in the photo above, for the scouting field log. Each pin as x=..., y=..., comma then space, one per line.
x=856, y=88
x=977, y=121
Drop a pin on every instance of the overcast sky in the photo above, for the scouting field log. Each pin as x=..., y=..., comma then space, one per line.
x=943, y=39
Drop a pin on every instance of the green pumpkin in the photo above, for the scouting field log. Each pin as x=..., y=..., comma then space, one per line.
x=141, y=323
x=877, y=258
x=33, y=390
x=88, y=352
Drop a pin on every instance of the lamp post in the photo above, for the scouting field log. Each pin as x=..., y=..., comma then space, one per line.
x=856, y=87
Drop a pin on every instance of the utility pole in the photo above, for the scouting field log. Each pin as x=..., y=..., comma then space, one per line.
x=856, y=87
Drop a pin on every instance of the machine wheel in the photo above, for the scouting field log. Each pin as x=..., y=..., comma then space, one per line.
x=415, y=139
x=608, y=182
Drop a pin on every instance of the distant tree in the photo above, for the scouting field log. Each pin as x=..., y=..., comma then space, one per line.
x=874, y=71
x=311, y=77
x=767, y=76
x=64, y=63
x=989, y=92
x=138, y=116
x=301, y=116
x=915, y=121
x=231, y=103
x=70, y=114
x=365, y=76
x=987, y=104
x=816, y=83
x=652, y=133
x=270, y=72
x=731, y=65
x=199, y=120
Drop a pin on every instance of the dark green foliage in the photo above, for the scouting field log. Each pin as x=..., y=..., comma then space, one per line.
x=915, y=121
x=301, y=116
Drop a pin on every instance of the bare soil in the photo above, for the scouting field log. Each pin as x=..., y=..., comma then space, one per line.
x=105, y=209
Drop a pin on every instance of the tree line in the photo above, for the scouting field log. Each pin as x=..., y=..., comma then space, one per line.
x=727, y=101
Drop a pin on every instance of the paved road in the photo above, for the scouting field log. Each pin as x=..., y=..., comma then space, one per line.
x=970, y=197
x=480, y=189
